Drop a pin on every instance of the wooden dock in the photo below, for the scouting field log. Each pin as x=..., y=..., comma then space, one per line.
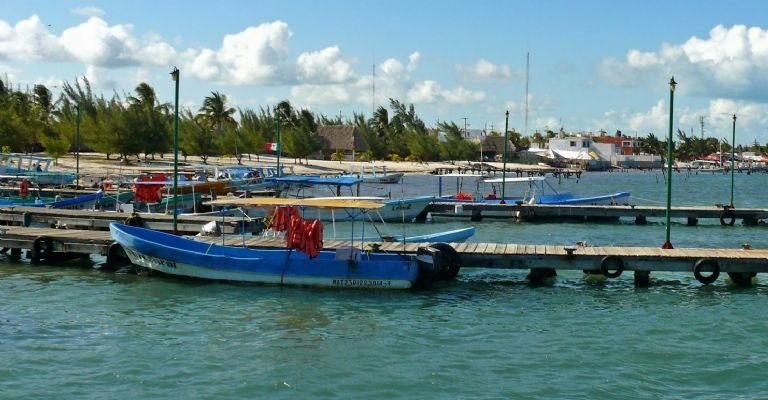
x=52, y=245
x=640, y=214
x=100, y=220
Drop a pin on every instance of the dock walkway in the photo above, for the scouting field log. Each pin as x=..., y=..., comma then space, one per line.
x=99, y=220
x=51, y=245
x=535, y=212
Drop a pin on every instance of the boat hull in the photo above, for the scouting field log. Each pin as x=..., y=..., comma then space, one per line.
x=179, y=256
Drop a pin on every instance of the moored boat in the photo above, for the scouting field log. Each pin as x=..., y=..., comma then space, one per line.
x=35, y=168
x=303, y=262
x=537, y=191
x=399, y=209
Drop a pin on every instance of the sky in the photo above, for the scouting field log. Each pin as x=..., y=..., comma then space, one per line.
x=592, y=65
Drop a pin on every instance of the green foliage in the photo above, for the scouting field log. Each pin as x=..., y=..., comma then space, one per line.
x=299, y=143
x=55, y=146
x=195, y=138
x=366, y=156
x=337, y=156
x=395, y=157
x=455, y=147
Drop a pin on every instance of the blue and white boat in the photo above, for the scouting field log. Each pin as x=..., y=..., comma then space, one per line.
x=84, y=202
x=452, y=236
x=537, y=191
x=348, y=267
x=403, y=209
x=34, y=168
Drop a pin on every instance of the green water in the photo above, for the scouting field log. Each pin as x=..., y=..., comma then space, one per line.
x=76, y=332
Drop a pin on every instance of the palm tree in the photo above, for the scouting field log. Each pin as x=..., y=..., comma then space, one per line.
x=153, y=120
x=215, y=115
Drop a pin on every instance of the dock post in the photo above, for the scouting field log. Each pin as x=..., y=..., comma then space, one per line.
x=742, y=279
x=693, y=221
x=641, y=220
x=477, y=215
x=537, y=276
x=642, y=279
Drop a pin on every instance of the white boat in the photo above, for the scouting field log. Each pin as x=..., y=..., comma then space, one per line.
x=537, y=190
x=374, y=174
x=404, y=209
x=303, y=262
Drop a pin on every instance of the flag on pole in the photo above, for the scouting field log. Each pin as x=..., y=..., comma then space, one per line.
x=272, y=146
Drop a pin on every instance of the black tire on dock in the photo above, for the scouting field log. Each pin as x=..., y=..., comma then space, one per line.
x=704, y=265
x=116, y=257
x=42, y=249
x=450, y=269
x=727, y=217
x=611, y=266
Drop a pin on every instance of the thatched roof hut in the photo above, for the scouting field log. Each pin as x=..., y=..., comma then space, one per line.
x=495, y=145
x=343, y=138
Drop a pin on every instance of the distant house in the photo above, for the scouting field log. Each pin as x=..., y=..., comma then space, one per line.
x=600, y=152
x=346, y=139
x=625, y=145
x=492, y=147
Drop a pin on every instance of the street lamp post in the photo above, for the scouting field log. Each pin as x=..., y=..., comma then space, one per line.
x=667, y=244
x=733, y=155
x=175, y=78
x=77, y=148
x=504, y=168
x=279, y=145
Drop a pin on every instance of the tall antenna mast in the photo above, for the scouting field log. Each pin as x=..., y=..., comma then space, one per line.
x=527, y=70
x=701, y=122
x=373, y=92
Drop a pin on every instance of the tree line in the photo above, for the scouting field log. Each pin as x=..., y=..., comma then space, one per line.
x=131, y=124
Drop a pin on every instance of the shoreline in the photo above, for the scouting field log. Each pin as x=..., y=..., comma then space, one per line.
x=96, y=164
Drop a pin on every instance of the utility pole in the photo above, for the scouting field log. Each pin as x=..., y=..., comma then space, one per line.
x=527, y=70
x=373, y=91
x=465, y=126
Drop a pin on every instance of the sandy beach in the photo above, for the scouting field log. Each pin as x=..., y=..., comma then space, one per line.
x=95, y=164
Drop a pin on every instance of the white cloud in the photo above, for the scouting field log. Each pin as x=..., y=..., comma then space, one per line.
x=322, y=66
x=413, y=61
x=424, y=92
x=484, y=71
x=88, y=11
x=320, y=94
x=460, y=95
x=28, y=40
x=392, y=68
x=93, y=42
x=430, y=91
x=257, y=55
x=99, y=78
x=731, y=62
